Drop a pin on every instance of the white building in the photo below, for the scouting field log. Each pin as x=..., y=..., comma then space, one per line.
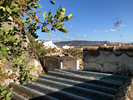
x=49, y=44
x=66, y=47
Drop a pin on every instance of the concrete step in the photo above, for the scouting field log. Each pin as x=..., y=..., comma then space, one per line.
x=17, y=96
x=30, y=92
x=81, y=84
x=98, y=75
x=84, y=92
x=64, y=84
x=56, y=93
x=85, y=79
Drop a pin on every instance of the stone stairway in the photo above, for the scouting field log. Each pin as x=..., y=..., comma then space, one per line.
x=66, y=84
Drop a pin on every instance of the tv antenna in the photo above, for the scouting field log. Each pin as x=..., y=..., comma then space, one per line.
x=117, y=24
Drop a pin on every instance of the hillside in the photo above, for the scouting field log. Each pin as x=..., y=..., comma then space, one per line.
x=86, y=43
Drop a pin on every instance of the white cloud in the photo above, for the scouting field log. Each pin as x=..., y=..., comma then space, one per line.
x=78, y=35
x=106, y=30
x=56, y=39
x=66, y=37
x=52, y=34
x=71, y=38
x=94, y=30
x=112, y=30
x=85, y=36
x=122, y=25
x=71, y=26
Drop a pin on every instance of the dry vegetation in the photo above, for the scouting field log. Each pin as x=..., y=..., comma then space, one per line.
x=91, y=47
x=126, y=47
x=81, y=67
x=110, y=48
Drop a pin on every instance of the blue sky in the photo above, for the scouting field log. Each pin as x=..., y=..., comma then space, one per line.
x=92, y=21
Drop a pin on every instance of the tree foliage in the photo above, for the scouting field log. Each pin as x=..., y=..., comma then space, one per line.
x=12, y=35
x=37, y=49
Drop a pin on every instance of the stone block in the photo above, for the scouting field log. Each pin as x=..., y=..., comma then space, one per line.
x=125, y=92
x=93, y=67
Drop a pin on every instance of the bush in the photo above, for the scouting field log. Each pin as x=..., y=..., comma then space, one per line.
x=75, y=52
x=12, y=36
x=37, y=49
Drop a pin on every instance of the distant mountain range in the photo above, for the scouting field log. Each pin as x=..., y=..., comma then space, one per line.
x=87, y=43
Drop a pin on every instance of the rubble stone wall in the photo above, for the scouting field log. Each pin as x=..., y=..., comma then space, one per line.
x=51, y=64
x=109, y=59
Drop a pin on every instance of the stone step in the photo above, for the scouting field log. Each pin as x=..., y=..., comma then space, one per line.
x=56, y=93
x=81, y=84
x=30, y=92
x=64, y=84
x=17, y=96
x=83, y=92
x=98, y=75
x=85, y=79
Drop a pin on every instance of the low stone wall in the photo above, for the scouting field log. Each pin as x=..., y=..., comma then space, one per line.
x=73, y=64
x=60, y=62
x=113, y=59
x=51, y=63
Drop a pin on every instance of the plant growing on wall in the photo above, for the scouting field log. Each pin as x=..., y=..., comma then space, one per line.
x=75, y=52
x=13, y=36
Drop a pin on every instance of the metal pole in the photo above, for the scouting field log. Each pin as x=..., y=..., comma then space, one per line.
x=119, y=30
x=120, y=34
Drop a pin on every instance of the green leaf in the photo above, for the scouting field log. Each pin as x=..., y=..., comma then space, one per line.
x=26, y=23
x=63, y=9
x=24, y=83
x=48, y=33
x=20, y=61
x=3, y=92
x=1, y=32
x=2, y=87
x=44, y=17
x=49, y=13
x=9, y=94
x=1, y=7
x=8, y=98
x=1, y=45
x=8, y=10
x=15, y=82
x=13, y=5
x=14, y=69
x=52, y=29
x=17, y=41
x=16, y=9
x=11, y=88
x=4, y=48
x=38, y=27
x=39, y=11
x=12, y=38
x=40, y=6
x=70, y=16
x=52, y=2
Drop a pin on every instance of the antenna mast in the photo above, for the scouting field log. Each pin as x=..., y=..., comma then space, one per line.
x=118, y=24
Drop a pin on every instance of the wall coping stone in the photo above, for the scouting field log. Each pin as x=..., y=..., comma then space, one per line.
x=109, y=48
